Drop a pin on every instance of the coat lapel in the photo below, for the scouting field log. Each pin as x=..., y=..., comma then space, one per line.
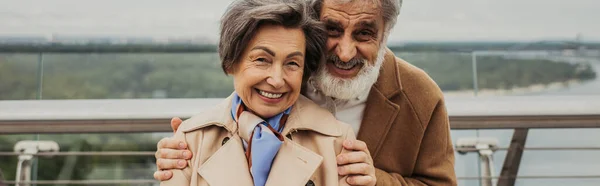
x=380, y=112
x=227, y=161
x=293, y=165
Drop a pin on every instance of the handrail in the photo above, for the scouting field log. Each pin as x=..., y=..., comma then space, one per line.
x=531, y=177
x=152, y=153
x=153, y=115
x=85, y=182
x=146, y=181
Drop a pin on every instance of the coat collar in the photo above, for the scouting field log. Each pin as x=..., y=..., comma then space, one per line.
x=305, y=115
x=388, y=82
x=380, y=112
x=293, y=165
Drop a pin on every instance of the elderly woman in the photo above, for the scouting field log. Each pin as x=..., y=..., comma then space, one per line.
x=265, y=133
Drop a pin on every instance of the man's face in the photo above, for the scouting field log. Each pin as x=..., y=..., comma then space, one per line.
x=354, y=47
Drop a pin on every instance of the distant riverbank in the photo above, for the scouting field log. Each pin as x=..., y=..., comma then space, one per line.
x=531, y=89
x=501, y=75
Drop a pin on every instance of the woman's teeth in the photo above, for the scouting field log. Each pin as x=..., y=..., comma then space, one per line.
x=269, y=95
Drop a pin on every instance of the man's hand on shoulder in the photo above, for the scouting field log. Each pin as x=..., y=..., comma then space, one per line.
x=171, y=154
x=356, y=163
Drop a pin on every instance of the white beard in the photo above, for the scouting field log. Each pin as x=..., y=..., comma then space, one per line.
x=349, y=88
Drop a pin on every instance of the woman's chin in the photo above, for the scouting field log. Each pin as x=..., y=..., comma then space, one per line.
x=264, y=111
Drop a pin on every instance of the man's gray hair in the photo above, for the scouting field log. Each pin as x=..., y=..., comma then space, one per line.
x=243, y=18
x=390, y=9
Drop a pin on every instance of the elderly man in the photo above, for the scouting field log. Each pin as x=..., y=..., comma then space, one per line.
x=397, y=111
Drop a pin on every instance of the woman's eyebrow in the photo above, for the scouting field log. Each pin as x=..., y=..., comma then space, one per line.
x=297, y=53
x=264, y=49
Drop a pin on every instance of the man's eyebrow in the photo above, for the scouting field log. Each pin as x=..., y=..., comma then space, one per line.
x=331, y=22
x=368, y=24
x=265, y=49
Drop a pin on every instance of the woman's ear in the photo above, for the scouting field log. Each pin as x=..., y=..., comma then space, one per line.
x=229, y=71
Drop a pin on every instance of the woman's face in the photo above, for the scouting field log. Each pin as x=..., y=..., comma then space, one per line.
x=268, y=76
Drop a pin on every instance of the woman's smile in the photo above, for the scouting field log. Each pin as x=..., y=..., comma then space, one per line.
x=270, y=97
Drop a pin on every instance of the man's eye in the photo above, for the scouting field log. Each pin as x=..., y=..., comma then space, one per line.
x=365, y=35
x=332, y=31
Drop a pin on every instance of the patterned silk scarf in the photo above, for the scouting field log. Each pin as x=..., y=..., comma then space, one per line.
x=262, y=139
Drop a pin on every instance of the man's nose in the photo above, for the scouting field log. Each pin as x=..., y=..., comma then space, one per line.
x=346, y=48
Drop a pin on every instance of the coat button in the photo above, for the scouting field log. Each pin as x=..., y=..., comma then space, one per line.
x=224, y=141
x=310, y=183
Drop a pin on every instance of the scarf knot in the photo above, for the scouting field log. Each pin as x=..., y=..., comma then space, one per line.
x=262, y=139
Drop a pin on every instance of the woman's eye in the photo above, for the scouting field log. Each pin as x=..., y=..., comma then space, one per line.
x=261, y=60
x=293, y=65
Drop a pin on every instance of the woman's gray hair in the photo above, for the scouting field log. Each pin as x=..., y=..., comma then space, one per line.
x=390, y=9
x=243, y=18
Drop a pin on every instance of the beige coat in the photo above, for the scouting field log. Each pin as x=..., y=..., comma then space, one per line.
x=307, y=156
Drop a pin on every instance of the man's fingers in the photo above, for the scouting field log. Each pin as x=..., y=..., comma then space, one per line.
x=353, y=157
x=164, y=164
x=355, y=145
x=173, y=154
x=163, y=175
x=360, y=180
x=175, y=122
x=356, y=168
x=171, y=143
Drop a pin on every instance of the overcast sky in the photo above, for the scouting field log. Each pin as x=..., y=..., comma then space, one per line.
x=429, y=20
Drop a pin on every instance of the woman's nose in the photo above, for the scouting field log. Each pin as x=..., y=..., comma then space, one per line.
x=275, y=78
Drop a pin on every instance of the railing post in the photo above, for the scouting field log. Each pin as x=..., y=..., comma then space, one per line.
x=40, y=75
x=27, y=149
x=513, y=158
x=485, y=147
x=40, y=91
x=474, y=65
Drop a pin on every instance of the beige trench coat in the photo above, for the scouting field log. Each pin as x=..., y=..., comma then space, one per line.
x=307, y=157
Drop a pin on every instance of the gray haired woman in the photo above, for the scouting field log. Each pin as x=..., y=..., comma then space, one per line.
x=265, y=133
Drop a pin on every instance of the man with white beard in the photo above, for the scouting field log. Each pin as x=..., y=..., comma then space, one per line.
x=397, y=111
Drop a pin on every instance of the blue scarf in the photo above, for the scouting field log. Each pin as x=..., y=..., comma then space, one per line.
x=265, y=142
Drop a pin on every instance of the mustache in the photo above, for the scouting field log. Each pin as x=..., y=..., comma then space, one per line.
x=352, y=62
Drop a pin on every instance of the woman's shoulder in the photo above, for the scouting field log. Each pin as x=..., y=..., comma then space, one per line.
x=218, y=115
x=309, y=115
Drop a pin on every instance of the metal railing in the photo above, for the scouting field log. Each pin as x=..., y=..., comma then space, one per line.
x=153, y=115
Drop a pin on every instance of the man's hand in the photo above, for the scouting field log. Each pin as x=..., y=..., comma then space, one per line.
x=356, y=163
x=170, y=154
